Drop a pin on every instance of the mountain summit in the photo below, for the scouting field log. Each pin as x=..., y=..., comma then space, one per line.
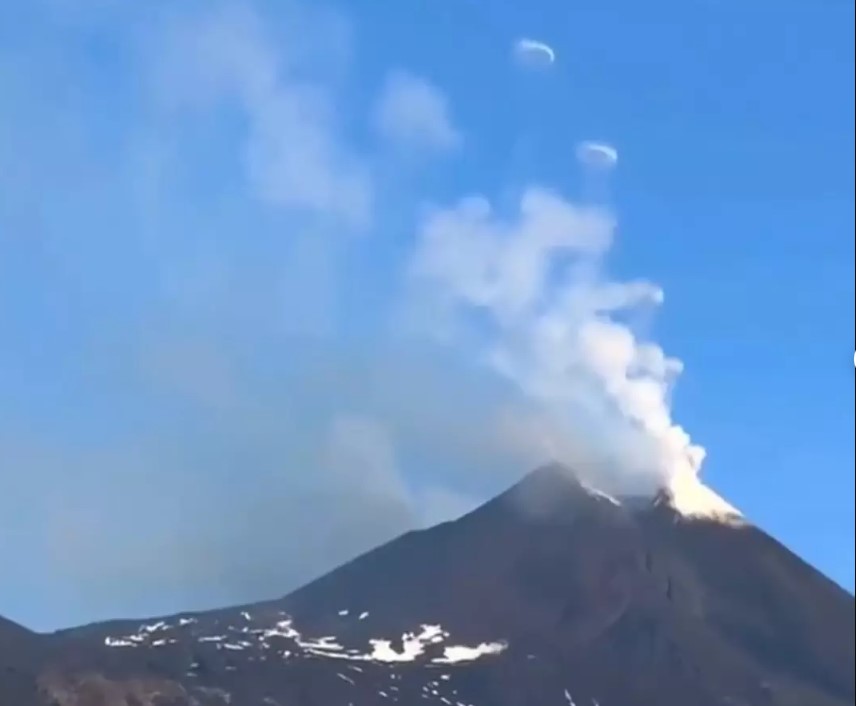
x=551, y=594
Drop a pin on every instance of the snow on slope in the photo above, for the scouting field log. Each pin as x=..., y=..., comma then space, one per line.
x=414, y=645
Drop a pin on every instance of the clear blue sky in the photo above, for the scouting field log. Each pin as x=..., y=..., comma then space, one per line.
x=200, y=218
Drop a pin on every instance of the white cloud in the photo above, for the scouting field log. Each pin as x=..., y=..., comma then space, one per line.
x=412, y=112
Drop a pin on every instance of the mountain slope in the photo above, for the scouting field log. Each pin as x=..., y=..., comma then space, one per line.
x=549, y=595
x=19, y=663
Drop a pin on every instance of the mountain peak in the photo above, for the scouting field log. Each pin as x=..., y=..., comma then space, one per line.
x=553, y=486
x=553, y=490
x=556, y=479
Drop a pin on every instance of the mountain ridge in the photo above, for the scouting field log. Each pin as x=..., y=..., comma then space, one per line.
x=551, y=593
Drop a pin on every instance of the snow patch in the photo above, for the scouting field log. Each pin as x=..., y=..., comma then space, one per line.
x=430, y=643
x=459, y=653
x=413, y=645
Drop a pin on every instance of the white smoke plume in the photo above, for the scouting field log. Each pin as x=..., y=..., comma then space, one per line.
x=532, y=290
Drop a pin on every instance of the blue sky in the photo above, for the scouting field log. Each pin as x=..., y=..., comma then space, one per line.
x=248, y=328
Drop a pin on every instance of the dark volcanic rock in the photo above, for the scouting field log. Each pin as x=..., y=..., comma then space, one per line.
x=20, y=662
x=549, y=595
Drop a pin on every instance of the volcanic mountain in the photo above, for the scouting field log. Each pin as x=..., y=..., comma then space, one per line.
x=551, y=594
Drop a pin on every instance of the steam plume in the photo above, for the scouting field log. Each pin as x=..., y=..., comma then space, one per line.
x=531, y=288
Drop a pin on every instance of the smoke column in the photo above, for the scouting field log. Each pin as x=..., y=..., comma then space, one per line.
x=531, y=288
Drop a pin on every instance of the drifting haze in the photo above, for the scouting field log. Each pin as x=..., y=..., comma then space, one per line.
x=235, y=408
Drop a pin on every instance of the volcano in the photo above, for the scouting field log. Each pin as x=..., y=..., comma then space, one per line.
x=551, y=594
